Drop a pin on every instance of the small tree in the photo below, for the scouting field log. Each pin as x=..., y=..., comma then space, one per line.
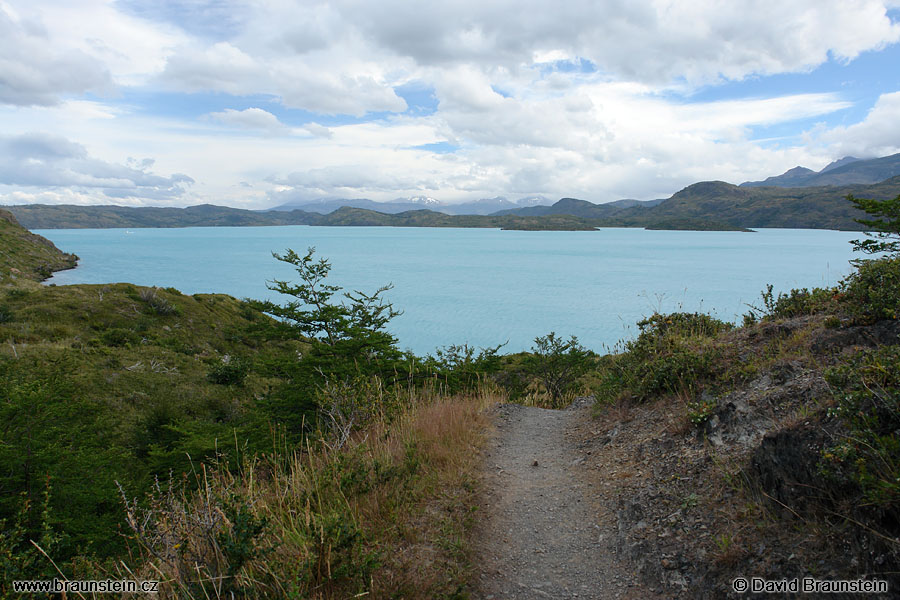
x=884, y=234
x=346, y=336
x=558, y=364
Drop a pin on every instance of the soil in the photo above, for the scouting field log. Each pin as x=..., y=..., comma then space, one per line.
x=544, y=529
x=636, y=501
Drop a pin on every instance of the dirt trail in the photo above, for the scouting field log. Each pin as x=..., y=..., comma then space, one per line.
x=542, y=531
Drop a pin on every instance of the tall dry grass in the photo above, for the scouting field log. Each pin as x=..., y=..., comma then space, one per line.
x=385, y=514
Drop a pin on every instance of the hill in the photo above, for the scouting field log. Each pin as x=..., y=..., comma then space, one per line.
x=39, y=216
x=846, y=171
x=815, y=208
x=485, y=206
x=64, y=216
x=24, y=254
x=708, y=205
x=580, y=208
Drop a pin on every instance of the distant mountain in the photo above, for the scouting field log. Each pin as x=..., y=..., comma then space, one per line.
x=65, y=216
x=737, y=206
x=629, y=203
x=423, y=201
x=484, y=206
x=580, y=208
x=708, y=205
x=324, y=206
x=840, y=163
x=846, y=171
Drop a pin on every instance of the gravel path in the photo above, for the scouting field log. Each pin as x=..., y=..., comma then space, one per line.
x=541, y=532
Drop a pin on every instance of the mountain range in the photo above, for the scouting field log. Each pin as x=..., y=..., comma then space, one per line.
x=802, y=201
x=846, y=171
x=485, y=206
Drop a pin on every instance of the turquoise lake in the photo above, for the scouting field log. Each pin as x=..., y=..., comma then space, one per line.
x=481, y=286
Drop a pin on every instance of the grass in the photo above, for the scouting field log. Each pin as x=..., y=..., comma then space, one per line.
x=24, y=255
x=384, y=516
x=122, y=389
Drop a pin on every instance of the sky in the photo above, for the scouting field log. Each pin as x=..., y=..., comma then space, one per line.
x=258, y=103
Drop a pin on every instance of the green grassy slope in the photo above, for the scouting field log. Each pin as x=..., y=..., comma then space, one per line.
x=26, y=255
x=117, y=383
x=106, y=383
x=817, y=208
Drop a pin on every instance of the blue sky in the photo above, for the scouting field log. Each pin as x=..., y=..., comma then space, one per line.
x=253, y=104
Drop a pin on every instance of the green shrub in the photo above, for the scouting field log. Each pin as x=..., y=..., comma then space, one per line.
x=156, y=303
x=699, y=412
x=558, y=364
x=460, y=368
x=867, y=389
x=231, y=370
x=6, y=314
x=672, y=355
x=119, y=337
x=681, y=324
x=796, y=303
x=872, y=293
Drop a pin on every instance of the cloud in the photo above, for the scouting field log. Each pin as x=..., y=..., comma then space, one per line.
x=877, y=135
x=34, y=72
x=647, y=41
x=591, y=99
x=51, y=161
x=251, y=118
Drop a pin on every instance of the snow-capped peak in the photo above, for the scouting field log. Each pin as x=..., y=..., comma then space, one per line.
x=426, y=200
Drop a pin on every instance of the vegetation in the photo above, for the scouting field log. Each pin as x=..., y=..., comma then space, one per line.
x=886, y=225
x=385, y=515
x=867, y=391
x=24, y=255
x=799, y=412
x=215, y=425
x=673, y=355
x=255, y=449
x=559, y=366
x=705, y=206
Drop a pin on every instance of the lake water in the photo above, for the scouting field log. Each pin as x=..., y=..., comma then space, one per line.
x=480, y=286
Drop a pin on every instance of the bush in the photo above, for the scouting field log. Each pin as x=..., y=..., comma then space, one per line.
x=796, y=303
x=460, y=368
x=681, y=324
x=157, y=303
x=873, y=292
x=558, y=364
x=119, y=337
x=672, y=355
x=231, y=370
x=867, y=389
x=6, y=314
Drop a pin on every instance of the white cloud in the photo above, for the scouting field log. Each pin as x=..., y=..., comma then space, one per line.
x=34, y=72
x=251, y=118
x=50, y=161
x=877, y=135
x=518, y=122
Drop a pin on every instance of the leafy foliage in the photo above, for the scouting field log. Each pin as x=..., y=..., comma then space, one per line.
x=672, y=355
x=873, y=291
x=798, y=302
x=459, y=368
x=884, y=230
x=868, y=401
x=346, y=337
x=230, y=370
x=558, y=364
